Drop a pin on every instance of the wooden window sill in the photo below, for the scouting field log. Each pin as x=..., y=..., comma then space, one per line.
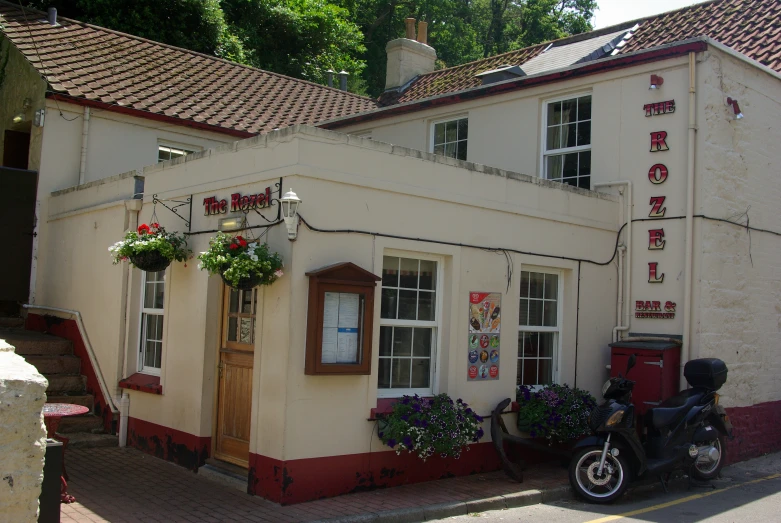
x=142, y=383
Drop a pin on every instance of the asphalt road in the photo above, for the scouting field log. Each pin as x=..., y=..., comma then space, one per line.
x=747, y=492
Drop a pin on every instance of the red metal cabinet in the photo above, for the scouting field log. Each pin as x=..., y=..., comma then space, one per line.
x=656, y=374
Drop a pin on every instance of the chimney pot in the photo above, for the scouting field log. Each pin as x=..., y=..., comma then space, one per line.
x=330, y=76
x=343, y=80
x=410, y=23
x=423, y=32
x=52, y=17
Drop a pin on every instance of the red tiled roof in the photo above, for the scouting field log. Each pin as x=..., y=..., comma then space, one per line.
x=99, y=65
x=751, y=27
x=459, y=77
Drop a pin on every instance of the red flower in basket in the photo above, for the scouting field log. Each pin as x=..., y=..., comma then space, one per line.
x=143, y=229
x=242, y=241
x=233, y=246
x=155, y=225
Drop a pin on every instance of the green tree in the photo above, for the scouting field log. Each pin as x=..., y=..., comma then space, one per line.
x=301, y=38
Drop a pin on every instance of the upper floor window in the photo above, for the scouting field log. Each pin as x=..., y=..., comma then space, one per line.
x=567, y=156
x=450, y=137
x=539, y=328
x=152, y=313
x=169, y=152
x=408, y=326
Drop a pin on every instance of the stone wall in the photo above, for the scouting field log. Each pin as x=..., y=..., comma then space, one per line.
x=22, y=437
x=738, y=271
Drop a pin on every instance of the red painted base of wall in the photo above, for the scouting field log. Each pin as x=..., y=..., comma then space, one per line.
x=69, y=330
x=757, y=431
x=301, y=480
x=182, y=448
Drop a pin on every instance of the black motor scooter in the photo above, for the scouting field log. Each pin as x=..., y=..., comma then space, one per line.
x=685, y=432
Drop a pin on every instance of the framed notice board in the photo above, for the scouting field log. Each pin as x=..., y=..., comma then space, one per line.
x=339, y=320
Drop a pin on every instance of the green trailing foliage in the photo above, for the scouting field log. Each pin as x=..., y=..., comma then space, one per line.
x=151, y=238
x=554, y=412
x=235, y=259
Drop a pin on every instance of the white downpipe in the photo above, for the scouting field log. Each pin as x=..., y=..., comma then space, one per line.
x=621, y=298
x=626, y=297
x=132, y=208
x=93, y=360
x=688, y=283
x=84, y=140
x=124, y=412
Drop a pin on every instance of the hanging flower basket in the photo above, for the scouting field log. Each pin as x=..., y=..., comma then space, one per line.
x=150, y=261
x=241, y=264
x=151, y=248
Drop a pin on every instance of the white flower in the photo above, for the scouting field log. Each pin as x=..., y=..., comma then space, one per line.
x=253, y=245
x=253, y=257
x=278, y=273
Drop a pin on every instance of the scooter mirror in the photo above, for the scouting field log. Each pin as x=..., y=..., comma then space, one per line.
x=631, y=363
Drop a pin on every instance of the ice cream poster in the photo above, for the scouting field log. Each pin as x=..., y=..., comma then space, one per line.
x=485, y=322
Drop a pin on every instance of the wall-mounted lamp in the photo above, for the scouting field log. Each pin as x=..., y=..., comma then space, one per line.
x=656, y=81
x=735, y=108
x=40, y=116
x=231, y=223
x=290, y=203
x=19, y=118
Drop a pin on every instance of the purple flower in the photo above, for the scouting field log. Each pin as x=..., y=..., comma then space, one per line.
x=404, y=417
x=407, y=441
x=391, y=443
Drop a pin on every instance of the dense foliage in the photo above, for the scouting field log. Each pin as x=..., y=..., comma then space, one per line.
x=428, y=426
x=305, y=38
x=554, y=412
x=150, y=238
x=235, y=258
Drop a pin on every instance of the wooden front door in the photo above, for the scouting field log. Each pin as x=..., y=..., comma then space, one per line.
x=234, y=401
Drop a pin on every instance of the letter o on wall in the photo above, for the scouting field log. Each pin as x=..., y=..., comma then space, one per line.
x=657, y=174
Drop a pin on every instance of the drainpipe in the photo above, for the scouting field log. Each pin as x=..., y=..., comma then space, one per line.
x=84, y=136
x=686, y=350
x=124, y=411
x=624, y=298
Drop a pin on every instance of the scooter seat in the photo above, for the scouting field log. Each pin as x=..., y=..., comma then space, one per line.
x=672, y=410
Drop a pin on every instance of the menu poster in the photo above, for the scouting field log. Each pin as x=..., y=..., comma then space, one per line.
x=485, y=323
x=341, y=327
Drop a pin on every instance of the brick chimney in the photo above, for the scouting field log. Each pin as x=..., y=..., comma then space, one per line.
x=409, y=57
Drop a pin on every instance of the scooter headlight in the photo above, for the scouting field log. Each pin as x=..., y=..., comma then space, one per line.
x=615, y=419
x=605, y=387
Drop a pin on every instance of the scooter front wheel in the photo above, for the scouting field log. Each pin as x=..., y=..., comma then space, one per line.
x=589, y=484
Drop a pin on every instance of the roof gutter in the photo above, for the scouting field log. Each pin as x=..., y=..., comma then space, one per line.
x=575, y=71
x=149, y=115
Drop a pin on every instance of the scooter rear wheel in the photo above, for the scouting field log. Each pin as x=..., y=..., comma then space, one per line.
x=593, y=487
x=705, y=469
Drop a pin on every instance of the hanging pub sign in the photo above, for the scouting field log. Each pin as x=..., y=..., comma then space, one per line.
x=485, y=323
x=238, y=202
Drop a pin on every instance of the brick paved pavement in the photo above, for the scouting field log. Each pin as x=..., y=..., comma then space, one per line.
x=126, y=485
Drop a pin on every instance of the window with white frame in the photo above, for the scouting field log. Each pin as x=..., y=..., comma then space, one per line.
x=449, y=138
x=567, y=155
x=152, y=314
x=408, y=326
x=169, y=152
x=539, y=327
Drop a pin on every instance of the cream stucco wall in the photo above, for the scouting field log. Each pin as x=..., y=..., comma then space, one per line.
x=737, y=274
x=349, y=183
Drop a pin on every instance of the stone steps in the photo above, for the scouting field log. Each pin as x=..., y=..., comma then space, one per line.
x=82, y=440
x=29, y=343
x=88, y=423
x=59, y=364
x=65, y=383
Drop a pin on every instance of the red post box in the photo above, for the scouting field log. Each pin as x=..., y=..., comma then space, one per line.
x=656, y=374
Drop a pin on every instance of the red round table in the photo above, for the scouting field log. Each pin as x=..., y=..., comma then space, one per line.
x=52, y=416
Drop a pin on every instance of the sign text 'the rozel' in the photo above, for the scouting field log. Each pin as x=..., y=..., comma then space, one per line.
x=212, y=205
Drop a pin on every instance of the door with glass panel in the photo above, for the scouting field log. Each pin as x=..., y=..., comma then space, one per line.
x=235, y=376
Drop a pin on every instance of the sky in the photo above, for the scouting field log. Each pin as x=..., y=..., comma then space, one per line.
x=613, y=12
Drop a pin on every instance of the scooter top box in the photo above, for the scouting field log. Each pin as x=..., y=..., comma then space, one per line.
x=708, y=373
